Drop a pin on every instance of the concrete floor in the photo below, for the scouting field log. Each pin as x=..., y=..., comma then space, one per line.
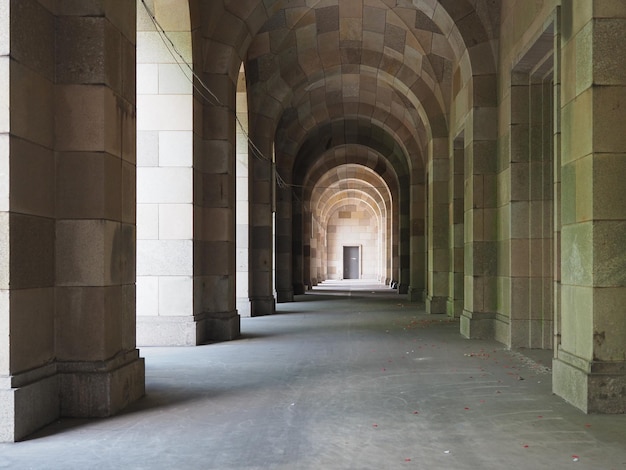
x=338, y=380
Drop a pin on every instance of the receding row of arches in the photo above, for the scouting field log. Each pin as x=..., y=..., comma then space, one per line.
x=248, y=146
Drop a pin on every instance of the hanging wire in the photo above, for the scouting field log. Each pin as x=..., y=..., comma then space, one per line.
x=212, y=98
x=202, y=89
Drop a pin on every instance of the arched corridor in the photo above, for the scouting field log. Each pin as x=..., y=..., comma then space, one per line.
x=169, y=168
x=348, y=377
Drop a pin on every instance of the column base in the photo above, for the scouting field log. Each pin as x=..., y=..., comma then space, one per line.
x=593, y=387
x=262, y=306
x=283, y=296
x=298, y=288
x=167, y=331
x=187, y=330
x=454, y=307
x=478, y=325
x=403, y=289
x=97, y=389
x=28, y=402
x=435, y=305
x=217, y=326
x=415, y=294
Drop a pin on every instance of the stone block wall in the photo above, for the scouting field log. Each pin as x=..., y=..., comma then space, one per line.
x=165, y=213
x=354, y=225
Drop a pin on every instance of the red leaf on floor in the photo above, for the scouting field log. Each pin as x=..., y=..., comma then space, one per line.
x=587, y=425
x=466, y=408
x=416, y=412
x=407, y=460
x=539, y=416
x=525, y=446
x=375, y=425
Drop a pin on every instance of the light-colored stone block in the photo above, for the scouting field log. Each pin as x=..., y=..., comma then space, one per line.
x=164, y=112
x=175, y=148
x=5, y=315
x=577, y=321
x=167, y=331
x=147, y=148
x=175, y=296
x=4, y=173
x=164, y=185
x=165, y=258
x=147, y=222
x=147, y=79
x=174, y=79
x=5, y=252
x=147, y=296
x=28, y=408
x=153, y=50
x=175, y=221
x=5, y=92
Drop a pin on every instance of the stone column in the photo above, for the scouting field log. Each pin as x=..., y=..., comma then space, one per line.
x=590, y=366
x=404, y=279
x=456, y=215
x=261, y=194
x=214, y=178
x=306, y=250
x=418, y=242
x=165, y=197
x=297, y=247
x=284, y=227
x=29, y=391
x=99, y=367
x=438, y=256
x=480, y=223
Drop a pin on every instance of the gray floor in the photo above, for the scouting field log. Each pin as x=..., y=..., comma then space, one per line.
x=356, y=380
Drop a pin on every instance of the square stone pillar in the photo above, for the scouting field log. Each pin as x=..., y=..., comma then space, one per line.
x=214, y=233
x=480, y=223
x=438, y=232
x=67, y=213
x=99, y=368
x=404, y=281
x=590, y=366
x=418, y=246
x=261, y=241
x=284, y=237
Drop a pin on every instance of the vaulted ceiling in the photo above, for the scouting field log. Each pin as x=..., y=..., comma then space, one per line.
x=352, y=74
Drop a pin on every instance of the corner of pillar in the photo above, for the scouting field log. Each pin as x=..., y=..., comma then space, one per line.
x=28, y=402
x=262, y=306
x=97, y=389
x=435, y=305
x=478, y=325
x=592, y=387
x=218, y=326
x=284, y=295
x=415, y=294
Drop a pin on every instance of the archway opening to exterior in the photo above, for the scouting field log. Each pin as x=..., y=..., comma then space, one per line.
x=165, y=166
